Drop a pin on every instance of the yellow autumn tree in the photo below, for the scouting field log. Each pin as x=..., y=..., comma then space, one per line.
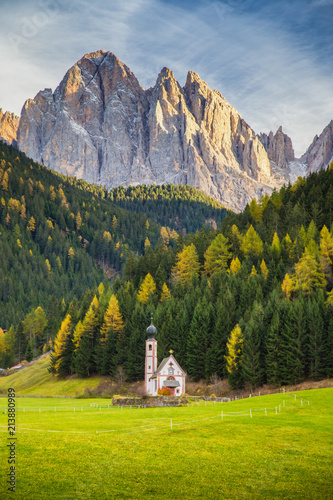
x=234, y=349
x=251, y=242
x=147, y=289
x=235, y=266
x=166, y=295
x=326, y=254
x=112, y=319
x=253, y=271
x=288, y=285
x=217, y=255
x=187, y=265
x=276, y=246
x=31, y=224
x=264, y=269
x=60, y=342
x=89, y=323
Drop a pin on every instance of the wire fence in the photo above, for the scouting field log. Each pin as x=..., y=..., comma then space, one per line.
x=172, y=423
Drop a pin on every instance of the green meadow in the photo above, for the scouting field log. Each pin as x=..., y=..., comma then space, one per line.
x=36, y=380
x=96, y=452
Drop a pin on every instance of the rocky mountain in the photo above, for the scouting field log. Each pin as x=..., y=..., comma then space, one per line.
x=279, y=148
x=320, y=153
x=101, y=125
x=8, y=127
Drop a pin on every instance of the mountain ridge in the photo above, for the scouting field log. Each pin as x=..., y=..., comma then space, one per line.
x=101, y=125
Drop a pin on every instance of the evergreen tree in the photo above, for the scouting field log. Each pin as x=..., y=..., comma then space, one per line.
x=252, y=370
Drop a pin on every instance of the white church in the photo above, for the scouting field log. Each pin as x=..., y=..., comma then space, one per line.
x=168, y=374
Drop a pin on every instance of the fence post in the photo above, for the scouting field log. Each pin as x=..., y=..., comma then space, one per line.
x=301, y=402
x=276, y=410
x=266, y=412
x=251, y=413
x=39, y=410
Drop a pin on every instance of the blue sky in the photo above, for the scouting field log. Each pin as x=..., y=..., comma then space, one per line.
x=272, y=60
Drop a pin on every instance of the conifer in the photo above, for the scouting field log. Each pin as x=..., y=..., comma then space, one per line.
x=147, y=289
x=217, y=255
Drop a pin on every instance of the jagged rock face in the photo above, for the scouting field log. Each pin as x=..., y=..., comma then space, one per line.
x=8, y=127
x=320, y=153
x=279, y=148
x=102, y=126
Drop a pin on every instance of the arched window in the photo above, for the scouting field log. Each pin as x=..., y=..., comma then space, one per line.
x=150, y=347
x=171, y=378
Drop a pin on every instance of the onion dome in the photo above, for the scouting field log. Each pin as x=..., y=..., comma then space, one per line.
x=151, y=330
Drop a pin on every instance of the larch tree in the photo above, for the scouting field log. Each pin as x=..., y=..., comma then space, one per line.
x=147, y=289
x=187, y=265
x=217, y=255
x=165, y=295
x=235, y=266
x=112, y=319
x=59, y=348
x=234, y=357
x=326, y=254
x=252, y=242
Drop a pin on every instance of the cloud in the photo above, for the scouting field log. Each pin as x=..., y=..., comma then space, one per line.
x=270, y=60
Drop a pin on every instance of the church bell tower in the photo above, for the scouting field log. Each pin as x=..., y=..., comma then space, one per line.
x=151, y=359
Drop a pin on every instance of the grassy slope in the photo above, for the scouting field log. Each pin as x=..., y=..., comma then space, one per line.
x=278, y=456
x=36, y=380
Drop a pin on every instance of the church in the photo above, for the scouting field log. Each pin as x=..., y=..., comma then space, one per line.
x=168, y=374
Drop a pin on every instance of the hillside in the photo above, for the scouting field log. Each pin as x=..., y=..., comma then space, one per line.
x=251, y=301
x=59, y=234
x=35, y=379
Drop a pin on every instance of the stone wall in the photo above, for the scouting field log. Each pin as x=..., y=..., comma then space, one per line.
x=149, y=401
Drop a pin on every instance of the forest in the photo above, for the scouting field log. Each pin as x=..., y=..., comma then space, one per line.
x=60, y=236
x=250, y=299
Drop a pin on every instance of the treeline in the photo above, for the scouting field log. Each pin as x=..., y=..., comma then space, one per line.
x=252, y=301
x=58, y=234
x=179, y=207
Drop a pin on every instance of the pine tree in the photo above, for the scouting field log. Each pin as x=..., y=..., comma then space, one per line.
x=198, y=341
x=252, y=371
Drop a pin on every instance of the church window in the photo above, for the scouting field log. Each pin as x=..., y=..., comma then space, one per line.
x=170, y=371
x=149, y=367
x=150, y=347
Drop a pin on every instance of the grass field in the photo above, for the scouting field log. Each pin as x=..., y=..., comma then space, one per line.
x=136, y=455
x=35, y=379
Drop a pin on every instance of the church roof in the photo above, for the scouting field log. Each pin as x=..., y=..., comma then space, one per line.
x=162, y=365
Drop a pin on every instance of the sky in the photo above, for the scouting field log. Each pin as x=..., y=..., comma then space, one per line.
x=271, y=59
